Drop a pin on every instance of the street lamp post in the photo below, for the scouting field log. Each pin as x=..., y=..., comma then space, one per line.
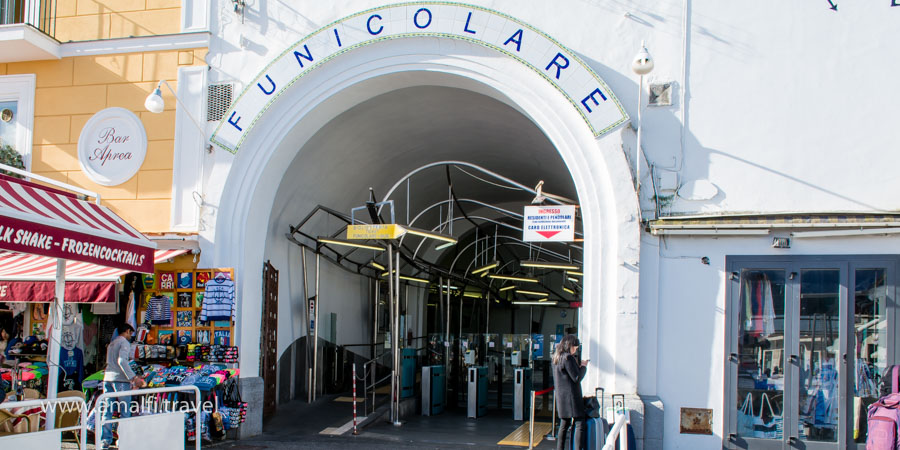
x=642, y=65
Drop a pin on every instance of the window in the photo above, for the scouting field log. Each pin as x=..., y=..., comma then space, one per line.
x=17, y=114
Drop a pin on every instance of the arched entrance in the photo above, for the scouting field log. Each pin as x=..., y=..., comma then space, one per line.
x=240, y=232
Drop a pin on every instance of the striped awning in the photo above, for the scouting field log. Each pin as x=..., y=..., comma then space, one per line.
x=25, y=267
x=51, y=223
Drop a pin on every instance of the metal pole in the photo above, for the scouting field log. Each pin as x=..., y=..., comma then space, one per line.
x=396, y=342
x=355, y=431
x=531, y=424
x=530, y=344
x=552, y=435
x=316, y=331
x=637, y=153
x=308, y=331
x=393, y=330
x=375, y=337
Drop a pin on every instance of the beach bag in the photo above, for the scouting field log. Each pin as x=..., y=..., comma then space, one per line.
x=884, y=424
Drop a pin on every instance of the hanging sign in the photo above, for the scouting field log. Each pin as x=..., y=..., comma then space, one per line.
x=549, y=223
x=382, y=231
x=312, y=315
x=112, y=146
x=589, y=95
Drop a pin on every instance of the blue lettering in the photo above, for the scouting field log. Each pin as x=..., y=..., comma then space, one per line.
x=234, y=121
x=337, y=37
x=559, y=67
x=269, y=92
x=466, y=28
x=517, y=40
x=591, y=97
x=369, y=25
x=307, y=56
x=416, y=18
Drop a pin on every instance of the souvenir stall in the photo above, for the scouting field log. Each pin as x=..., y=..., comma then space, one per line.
x=63, y=230
x=95, y=302
x=184, y=321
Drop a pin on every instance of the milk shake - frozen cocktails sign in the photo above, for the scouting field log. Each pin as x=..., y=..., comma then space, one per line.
x=112, y=146
x=587, y=93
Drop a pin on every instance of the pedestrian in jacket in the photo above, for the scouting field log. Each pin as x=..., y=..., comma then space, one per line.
x=118, y=377
x=568, y=372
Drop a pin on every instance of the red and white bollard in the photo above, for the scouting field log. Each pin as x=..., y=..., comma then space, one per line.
x=355, y=431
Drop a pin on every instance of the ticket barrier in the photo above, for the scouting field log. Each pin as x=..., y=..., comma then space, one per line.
x=522, y=393
x=478, y=392
x=407, y=372
x=433, y=387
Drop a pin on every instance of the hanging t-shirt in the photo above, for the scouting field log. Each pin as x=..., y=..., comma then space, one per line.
x=218, y=299
x=71, y=369
x=159, y=310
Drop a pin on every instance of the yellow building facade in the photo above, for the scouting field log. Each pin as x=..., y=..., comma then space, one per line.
x=116, y=70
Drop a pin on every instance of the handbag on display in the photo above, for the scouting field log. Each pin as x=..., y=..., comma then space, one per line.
x=767, y=429
x=745, y=417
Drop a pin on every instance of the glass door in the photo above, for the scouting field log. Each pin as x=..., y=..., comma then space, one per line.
x=818, y=358
x=757, y=360
x=868, y=337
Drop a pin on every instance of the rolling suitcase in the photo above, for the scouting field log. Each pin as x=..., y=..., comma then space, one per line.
x=596, y=426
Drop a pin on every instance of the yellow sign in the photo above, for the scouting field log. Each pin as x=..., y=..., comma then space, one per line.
x=384, y=231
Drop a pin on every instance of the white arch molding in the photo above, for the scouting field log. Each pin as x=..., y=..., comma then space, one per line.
x=237, y=212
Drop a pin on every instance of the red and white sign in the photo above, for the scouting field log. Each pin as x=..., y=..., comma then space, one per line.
x=35, y=238
x=549, y=223
x=112, y=146
x=45, y=291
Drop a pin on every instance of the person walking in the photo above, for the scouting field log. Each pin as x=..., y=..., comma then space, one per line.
x=567, y=375
x=118, y=377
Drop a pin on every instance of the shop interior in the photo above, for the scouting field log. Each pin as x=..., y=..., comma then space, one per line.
x=177, y=341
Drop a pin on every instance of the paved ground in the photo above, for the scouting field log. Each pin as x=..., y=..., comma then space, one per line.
x=297, y=425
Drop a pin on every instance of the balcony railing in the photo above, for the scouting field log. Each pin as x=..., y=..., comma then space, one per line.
x=40, y=14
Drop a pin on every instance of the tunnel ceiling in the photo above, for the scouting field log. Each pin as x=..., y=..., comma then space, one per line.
x=376, y=143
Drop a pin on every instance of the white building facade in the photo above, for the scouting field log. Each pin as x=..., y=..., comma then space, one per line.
x=760, y=120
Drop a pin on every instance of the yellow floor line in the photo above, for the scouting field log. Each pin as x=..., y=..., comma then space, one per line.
x=520, y=436
x=347, y=399
x=383, y=390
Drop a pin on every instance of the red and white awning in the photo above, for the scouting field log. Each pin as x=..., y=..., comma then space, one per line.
x=21, y=266
x=42, y=221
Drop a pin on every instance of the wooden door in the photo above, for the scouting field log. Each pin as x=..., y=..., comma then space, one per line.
x=269, y=341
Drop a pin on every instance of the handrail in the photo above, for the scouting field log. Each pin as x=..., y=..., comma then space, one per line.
x=618, y=430
x=81, y=427
x=98, y=421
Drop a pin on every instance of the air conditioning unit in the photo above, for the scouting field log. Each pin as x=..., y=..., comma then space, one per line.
x=218, y=100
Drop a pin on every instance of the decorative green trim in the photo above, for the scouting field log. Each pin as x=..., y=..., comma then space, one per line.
x=563, y=49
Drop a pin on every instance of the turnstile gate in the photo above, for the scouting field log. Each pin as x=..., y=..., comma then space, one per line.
x=407, y=372
x=477, y=400
x=433, y=388
x=522, y=393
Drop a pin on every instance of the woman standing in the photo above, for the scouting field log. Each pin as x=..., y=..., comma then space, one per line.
x=567, y=375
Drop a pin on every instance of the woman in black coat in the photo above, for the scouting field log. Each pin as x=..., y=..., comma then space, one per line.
x=567, y=375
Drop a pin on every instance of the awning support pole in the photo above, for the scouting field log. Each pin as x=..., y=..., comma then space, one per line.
x=56, y=309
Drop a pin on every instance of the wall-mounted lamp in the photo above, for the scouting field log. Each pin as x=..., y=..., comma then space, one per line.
x=155, y=104
x=641, y=65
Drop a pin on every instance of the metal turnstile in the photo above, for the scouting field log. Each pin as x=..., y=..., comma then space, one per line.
x=407, y=372
x=433, y=388
x=522, y=393
x=478, y=384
